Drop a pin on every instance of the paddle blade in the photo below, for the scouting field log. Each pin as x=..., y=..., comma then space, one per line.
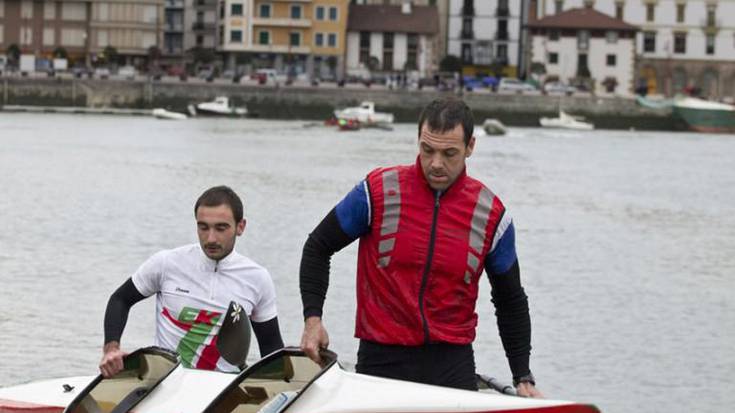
x=233, y=339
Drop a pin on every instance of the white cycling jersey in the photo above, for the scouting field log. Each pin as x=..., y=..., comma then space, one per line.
x=192, y=295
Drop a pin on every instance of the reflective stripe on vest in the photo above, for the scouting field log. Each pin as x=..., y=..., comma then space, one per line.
x=391, y=215
x=480, y=217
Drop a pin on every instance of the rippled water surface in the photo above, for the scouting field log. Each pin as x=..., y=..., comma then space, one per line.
x=625, y=242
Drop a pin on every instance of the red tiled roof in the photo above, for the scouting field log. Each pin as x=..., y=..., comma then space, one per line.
x=378, y=18
x=583, y=18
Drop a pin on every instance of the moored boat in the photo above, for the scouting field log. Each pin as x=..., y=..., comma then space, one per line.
x=365, y=114
x=494, y=127
x=566, y=121
x=220, y=106
x=705, y=116
x=160, y=113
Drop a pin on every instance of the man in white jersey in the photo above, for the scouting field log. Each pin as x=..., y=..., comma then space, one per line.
x=194, y=285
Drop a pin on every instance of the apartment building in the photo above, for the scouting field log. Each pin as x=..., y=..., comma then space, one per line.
x=486, y=33
x=682, y=44
x=295, y=36
x=82, y=28
x=442, y=8
x=385, y=38
x=586, y=47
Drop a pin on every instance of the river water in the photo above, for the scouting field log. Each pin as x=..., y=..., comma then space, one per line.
x=625, y=241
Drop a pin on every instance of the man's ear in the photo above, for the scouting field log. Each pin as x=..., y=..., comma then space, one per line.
x=241, y=227
x=470, y=146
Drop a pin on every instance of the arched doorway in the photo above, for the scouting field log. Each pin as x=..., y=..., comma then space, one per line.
x=678, y=80
x=647, y=78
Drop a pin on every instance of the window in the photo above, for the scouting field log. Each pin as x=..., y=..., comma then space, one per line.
x=265, y=10
x=333, y=13
x=710, y=44
x=680, y=12
x=558, y=6
x=583, y=39
x=502, y=30
x=710, y=16
x=320, y=12
x=319, y=39
x=235, y=36
x=26, y=9
x=554, y=35
x=619, y=7
x=412, y=47
x=466, y=53
x=264, y=37
x=332, y=40
x=582, y=69
x=649, y=42
x=49, y=10
x=680, y=43
x=294, y=39
x=26, y=36
x=502, y=52
x=200, y=40
x=296, y=12
x=387, y=51
x=364, y=47
x=235, y=9
x=611, y=36
x=650, y=12
x=467, y=28
x=553, y=58
x=74, y=11
x=49, y=35
x=611, y=60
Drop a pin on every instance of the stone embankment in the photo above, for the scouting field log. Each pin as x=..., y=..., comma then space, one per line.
x=317, y=103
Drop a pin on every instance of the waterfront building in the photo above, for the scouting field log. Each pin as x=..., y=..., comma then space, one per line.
x=190, y=28
x=296, y=36
x=487, y=35
x=681, y=45
x=586, y=48
x=390, y=39
x=442, y=8
x=83, y=28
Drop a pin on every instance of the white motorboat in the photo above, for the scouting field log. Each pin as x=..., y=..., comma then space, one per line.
x=220, y=106
x=160, y=113
x=494, y=127
x=566, y=121
x=365, y=114
x=285, y=381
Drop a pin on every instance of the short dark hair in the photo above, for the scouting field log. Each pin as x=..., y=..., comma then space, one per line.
x=445, y=114
x=221, y=195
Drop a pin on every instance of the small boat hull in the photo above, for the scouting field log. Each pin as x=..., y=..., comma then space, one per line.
x=707, y=120
x=164, y=114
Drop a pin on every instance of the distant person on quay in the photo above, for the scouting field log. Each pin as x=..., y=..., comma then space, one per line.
x=427, y=230
x=194, y=286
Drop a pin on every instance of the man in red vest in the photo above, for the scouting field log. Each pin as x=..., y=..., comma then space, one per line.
x=427, y=231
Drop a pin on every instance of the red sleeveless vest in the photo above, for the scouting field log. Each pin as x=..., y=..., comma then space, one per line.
x=420, y=263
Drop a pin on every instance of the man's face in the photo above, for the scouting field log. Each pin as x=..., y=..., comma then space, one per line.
x=442, y=155
x=217, y=230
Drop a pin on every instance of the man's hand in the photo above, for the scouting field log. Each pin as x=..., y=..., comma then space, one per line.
x=527, y=389
x=112, y=359
x=315, y=338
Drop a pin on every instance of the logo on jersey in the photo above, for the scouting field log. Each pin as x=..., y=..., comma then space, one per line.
x=193, y=347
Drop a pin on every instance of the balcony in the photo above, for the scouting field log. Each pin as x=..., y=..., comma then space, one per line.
x=281, y=22
x=711, y=26
x=174, y=4
x=203, y=26
x=502, y=12
x=467, y=35
x=205, y=4
x=174, y=27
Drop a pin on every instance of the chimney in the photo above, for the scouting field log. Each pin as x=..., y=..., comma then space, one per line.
x=406, y=7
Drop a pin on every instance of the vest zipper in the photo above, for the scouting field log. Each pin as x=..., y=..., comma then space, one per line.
x=214, y=280
x=427, y=268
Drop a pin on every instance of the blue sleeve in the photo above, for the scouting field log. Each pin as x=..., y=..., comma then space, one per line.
x=501, y=258
x=353, y=212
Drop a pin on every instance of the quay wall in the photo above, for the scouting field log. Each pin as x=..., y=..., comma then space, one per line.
x=317, y=103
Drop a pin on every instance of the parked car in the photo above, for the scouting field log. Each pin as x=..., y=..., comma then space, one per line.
x=266, y=76
x=511, y=84
x=102, y=73
x=559, y=88
x=127, y=72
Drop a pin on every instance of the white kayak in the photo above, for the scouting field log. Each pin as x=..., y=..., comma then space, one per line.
x=160, y=113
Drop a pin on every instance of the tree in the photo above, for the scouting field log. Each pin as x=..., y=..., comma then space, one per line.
x=373, y=63
x=60, y=53
x=13, y=52
x=202, y=55
x=450, y=63
x=538, y=68
x=109, y=55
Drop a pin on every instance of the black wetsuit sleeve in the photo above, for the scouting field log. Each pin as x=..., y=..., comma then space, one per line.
x=118, y=307
x=326, y=239
x=269, y=336
x=514, y=321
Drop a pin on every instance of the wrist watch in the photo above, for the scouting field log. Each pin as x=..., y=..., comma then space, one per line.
x=526, y=378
